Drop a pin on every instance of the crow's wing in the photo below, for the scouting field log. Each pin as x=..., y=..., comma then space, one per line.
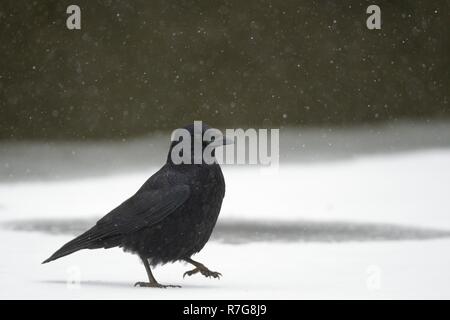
x=143, y=209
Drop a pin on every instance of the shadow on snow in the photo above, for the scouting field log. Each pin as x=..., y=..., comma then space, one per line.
x=245, y=231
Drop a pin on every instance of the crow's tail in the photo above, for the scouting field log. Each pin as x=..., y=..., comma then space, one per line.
x=88, y=240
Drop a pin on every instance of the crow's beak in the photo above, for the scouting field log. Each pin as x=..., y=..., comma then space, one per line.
x=224, y=140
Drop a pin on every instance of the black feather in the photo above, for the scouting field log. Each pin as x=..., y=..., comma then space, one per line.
x=170, y=217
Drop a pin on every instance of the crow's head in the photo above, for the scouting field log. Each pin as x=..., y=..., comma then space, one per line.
x=195, y=143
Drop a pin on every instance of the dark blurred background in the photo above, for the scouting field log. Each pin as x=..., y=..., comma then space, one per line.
x=140, y=66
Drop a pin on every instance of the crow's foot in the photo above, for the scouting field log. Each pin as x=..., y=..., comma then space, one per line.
x=154, y=285
x=204, y=271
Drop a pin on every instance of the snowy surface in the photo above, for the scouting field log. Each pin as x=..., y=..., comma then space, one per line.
x=408, y=188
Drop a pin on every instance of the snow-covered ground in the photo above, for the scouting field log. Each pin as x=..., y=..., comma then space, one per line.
x=367, y=197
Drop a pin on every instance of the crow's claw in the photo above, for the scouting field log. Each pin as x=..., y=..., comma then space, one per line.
x=204, y=271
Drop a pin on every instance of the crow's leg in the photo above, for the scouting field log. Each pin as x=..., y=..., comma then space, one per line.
x=202, y=269
x=152, y=281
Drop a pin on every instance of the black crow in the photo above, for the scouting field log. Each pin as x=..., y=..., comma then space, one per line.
x=170, y=218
